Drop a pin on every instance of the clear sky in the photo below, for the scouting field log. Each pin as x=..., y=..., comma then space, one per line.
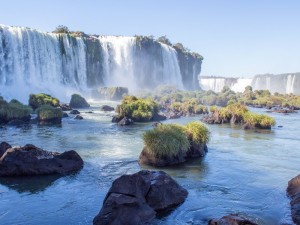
x=236, y=37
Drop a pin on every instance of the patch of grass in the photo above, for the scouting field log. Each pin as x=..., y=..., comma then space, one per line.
x=166, y=140
x=197, y=132
x=258, y=120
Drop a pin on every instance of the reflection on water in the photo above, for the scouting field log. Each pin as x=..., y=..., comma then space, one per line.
x=244, y=172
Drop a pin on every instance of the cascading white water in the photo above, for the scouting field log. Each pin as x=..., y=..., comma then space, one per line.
x=60, y=64
x=240, y=85
x=32, y=61
x=214, y=84
x=290, y=84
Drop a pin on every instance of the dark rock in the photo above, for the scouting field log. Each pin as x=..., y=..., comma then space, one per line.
x=125, y=121
x=78, y=117
x=116, y=119
x=89, y=112
x=65, y=107
x=196, y=150
x=74, y=112
x=3, y=147
x=135, y=199
x=156, y=124
x=159, y=117
x=231, y=220
x=31, y=160
x=107, y=108
x=293, y=191
x=64, y=115
x=16, y=122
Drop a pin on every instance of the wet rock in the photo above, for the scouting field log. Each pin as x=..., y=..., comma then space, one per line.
x=3, y=147
x=31, y=160
x=196, y=150
x=107, y=108
x=231, y=220
x=74, y=112
x=116, y=119
x=293, y=191
x=65, y=107
x=64, y=115
x=135, y=199
x=159, y=117
x=78, y=117
x=16, y=123
x=78, y=101
x=125, y=121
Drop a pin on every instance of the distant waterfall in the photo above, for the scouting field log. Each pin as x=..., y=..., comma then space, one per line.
x=60, y=64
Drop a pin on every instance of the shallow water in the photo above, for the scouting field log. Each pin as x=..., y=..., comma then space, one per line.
x=244, y=172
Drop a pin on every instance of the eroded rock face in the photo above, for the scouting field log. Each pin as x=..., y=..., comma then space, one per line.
x=231, y=220
x=31, y=160
x=135, y=199
x=293, y=191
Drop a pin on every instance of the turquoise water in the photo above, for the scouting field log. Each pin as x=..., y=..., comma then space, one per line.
x=244, y=172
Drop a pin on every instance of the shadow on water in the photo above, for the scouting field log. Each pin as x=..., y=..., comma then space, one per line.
x=31, y=184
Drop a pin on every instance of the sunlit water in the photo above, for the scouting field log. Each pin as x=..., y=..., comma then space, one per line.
x=244, y=172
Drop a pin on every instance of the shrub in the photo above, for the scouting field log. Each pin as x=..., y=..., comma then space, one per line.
x=197, y=132
x=140, y=110
x=78, y=102
x=258, y=120
x=48, y=113
x=37, y=100
x=61, y=29
x=14, y=110
x=213, y=108
x=166, y=140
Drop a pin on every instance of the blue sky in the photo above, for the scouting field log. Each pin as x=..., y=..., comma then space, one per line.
x=236, y=37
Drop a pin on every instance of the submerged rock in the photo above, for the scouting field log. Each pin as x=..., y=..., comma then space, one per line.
x=31, y=160
x=293, y=191
x=125, y=121
x=74, y=112
x=107, y=108
x=231, y=220
x=135, y=199
x=78, y=117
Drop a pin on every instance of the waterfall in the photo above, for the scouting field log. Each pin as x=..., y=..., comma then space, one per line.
x=240, y=85
x=62, y=64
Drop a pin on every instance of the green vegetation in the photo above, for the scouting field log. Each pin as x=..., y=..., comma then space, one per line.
x=138, y=109
x=166, y=140
x=78, y=102
x=197, y=132
x=14, y=110
x=61, y=29
x=37, y=100
x=239, y=114
x=171, y=139
x=47, y=113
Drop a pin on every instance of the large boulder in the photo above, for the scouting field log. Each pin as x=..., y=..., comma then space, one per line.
x=47, y=114
x=231, y=220
x=78, y=101
x=135, y=199
x=125, y=121
x=31, y=160
x=293, y=191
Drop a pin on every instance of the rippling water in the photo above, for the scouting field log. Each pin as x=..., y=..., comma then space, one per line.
x=244, y=172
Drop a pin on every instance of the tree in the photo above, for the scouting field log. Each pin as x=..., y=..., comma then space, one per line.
x=165, y=40
x=61, y=29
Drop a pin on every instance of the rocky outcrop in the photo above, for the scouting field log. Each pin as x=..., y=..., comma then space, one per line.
x=111, y=93
x=74, y=112
x=31, y=160
x=125, y=121
x=65, y=107
x=231, y=220
x=78, y=117
x=136, y=199
x=78, y=101
x=293, y=191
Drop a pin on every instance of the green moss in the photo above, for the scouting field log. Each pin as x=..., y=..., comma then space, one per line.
x=37, y=100
x=47, y=113
x=197, y=132
x=166, y=140
x=78, y=101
